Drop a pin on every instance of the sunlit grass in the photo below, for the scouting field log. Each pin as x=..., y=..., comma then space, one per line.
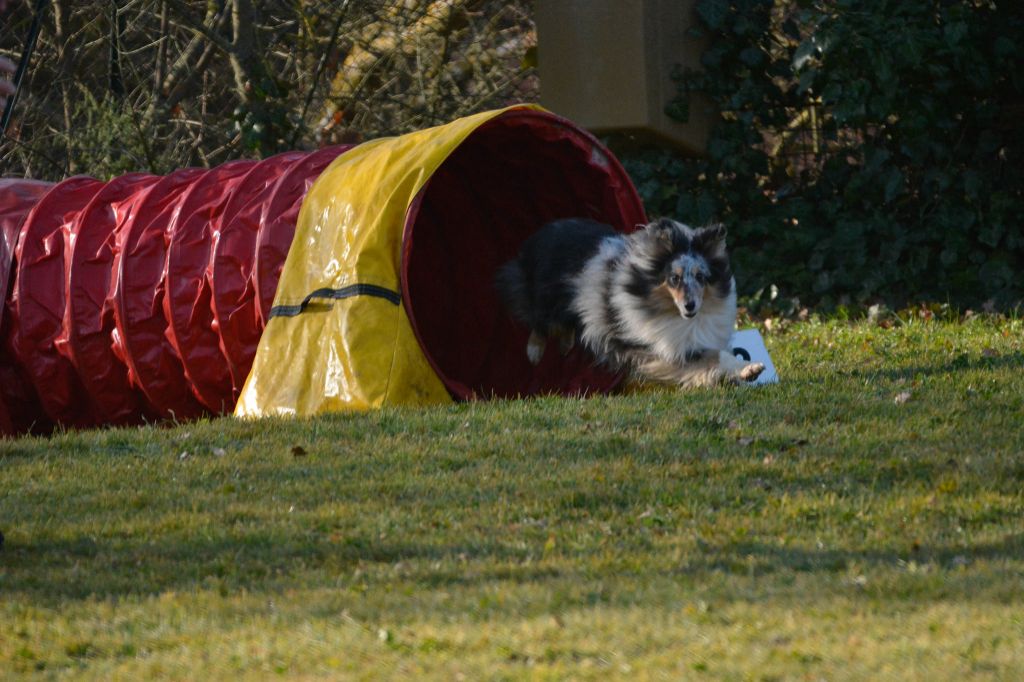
x=864, y=518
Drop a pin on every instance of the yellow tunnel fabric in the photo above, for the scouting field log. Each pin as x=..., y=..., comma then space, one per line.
x=339, y=337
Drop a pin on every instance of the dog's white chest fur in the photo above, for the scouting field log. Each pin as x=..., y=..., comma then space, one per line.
x=673, y=337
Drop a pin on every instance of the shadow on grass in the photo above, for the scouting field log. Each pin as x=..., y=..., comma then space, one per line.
x=961, y=363
x=756, y=558
x=55, y=573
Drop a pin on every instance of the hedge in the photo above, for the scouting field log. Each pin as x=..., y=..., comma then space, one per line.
x=867, y=150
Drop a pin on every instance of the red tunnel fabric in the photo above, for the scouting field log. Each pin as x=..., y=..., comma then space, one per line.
x=19, y=408
x=145, y=296
x=232, y=258
x=153, y=366
x=39, y=300
x=112, y=312
x=89, y=324
x=187, y=297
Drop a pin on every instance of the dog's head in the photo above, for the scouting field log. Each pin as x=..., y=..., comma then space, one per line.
x=681, y=264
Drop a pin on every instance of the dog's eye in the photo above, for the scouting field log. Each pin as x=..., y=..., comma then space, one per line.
x=674, y=280
x=701, y=278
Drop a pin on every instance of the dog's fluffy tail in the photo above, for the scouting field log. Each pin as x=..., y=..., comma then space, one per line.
x=510, y=282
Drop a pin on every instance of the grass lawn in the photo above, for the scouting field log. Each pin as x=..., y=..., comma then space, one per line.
x=864, y=519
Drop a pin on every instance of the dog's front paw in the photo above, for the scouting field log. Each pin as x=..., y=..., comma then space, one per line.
x=752, y=371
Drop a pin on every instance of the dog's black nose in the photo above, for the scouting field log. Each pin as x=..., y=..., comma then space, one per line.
x=690, y=306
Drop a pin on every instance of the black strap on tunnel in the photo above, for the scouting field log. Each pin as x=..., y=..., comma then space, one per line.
x=336, y=294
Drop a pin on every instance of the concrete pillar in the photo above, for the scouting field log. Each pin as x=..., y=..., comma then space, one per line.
x=607, y=65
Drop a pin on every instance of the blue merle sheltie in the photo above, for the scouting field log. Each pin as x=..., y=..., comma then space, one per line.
x=660, y=302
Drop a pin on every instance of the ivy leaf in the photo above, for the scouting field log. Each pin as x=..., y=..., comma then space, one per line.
x=713, y=12
x=806, y=81
x=791, y=29
x=678, y=110
x=718, y=148
x=751, y=56
x=1004, y=47
x=955, y=33
x=990, y=235
x=831, y=93
x=706, y=208
x=804, y=51
x=893, y=185
x=972, y=184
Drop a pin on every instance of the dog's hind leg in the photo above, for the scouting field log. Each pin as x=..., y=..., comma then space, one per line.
x=535, y=347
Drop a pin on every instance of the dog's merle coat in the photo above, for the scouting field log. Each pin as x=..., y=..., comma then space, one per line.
x=660, y=302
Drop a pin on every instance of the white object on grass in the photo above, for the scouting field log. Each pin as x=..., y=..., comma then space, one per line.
x=747, y=344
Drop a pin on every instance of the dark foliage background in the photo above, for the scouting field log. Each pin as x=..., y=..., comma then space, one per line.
x=868, y=150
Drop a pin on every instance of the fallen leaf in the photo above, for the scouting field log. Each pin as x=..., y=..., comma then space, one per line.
x=902, y=397
x=219, y=452
x=298, y=451
x=183, y=456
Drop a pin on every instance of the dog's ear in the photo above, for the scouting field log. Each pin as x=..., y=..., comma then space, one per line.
x=663, y=229
x=715, y=231
x=712, y=239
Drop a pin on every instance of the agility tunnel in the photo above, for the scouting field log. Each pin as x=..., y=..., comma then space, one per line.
x=342, y=279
